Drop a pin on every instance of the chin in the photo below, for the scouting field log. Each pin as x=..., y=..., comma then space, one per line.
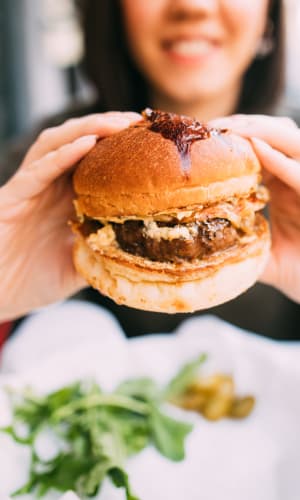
x=194, y=82
x=169, y=215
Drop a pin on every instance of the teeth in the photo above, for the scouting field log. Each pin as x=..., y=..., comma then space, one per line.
x=191, y=47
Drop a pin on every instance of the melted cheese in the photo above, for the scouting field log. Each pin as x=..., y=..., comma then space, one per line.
x=152, y=230
x=102, y=238
x=233, y=209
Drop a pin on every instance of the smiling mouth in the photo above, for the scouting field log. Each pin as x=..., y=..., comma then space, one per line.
x=190, y=48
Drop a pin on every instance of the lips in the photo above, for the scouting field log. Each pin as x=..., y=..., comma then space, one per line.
x=190, y=49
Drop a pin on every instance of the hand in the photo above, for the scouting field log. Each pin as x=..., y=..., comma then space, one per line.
x=35, y=205
x=276, y=142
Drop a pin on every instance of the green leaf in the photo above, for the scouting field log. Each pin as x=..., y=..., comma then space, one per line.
x=135, y=432
x=90, y=483
x=33, y=414
x=63, y=396
x=100, y=400
x=120, y=480
x=18, y=439
x=143, y=388
x=80, y=444
x=24, y=490
x=97, y=432
x=185, y=377
x=169, y=434
x=64, y=471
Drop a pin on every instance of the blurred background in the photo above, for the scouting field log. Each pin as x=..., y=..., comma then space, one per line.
x=41, y=48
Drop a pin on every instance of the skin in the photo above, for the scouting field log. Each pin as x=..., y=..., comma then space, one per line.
x=35, y=206
x=36, y=203
x=205, y=83
x=276, y=142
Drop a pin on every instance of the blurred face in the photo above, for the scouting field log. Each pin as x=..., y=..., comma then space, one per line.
x=194, y=49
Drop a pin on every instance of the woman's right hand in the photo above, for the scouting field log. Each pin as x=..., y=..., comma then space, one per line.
x=36, y=265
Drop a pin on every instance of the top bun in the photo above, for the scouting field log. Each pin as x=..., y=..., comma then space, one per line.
x=144, y=170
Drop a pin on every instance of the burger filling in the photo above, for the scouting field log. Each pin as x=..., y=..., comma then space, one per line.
x=174, y=243
x=188, y=235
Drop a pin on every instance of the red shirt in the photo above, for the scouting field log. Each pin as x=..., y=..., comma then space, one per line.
x=5, y=329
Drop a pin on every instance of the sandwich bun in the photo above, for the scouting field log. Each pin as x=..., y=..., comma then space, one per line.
x=145, y=174
x=139, y=172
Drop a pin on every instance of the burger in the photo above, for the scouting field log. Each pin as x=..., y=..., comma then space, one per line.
x=169, y=215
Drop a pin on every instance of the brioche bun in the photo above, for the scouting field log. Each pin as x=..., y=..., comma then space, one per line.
x=140, y=174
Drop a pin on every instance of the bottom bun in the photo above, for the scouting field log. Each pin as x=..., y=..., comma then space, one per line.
x=210, y=285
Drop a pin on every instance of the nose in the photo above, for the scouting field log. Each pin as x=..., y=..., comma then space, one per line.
x=182, y=9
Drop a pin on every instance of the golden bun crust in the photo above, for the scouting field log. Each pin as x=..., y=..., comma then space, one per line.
x=138, y=172
x=171, y=288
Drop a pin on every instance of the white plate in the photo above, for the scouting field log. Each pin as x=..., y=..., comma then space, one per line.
x=254, y=459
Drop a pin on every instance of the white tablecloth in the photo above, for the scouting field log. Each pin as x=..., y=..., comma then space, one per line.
x=254, y=459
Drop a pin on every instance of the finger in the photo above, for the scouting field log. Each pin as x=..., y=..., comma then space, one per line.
x=280, y=132
x=266, y=119
x=31, y=181
x=269, y=275
x=72, y=281
x=99, y=124
x=275, y=162
x=249, y=120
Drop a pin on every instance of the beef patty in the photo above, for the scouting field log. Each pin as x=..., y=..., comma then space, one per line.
x=211, y=236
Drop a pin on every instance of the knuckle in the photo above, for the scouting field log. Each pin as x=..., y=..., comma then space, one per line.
x=71, y=122
x=82, y=123
x=99, y=117
x=90, y=120
x=44, y=135
x=49, y=157
x=62, y=149
x=288, y=121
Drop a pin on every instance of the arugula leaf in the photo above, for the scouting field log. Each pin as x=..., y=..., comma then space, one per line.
x=89, y=484
x=120, y=480
x=97, y=432
x=26, y=489
x=18, y=439
x=143, y=388
x=134, y=429
x=61, y=474
x=100, y=400
x=64, y=396
x=169, y=434
x=186, y=375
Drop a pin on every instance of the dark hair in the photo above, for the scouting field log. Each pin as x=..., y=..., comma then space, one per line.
x=121, y=86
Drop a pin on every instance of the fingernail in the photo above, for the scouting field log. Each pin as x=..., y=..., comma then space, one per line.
x=87, y=138
x=116, y=120
x=131, y=115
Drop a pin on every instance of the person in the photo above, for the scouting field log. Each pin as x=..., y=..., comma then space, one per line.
x=217, y=60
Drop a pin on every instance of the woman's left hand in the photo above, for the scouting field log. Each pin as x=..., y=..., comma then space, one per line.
x=276, y=142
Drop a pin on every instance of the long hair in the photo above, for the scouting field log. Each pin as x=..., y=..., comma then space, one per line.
x=120, y=85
